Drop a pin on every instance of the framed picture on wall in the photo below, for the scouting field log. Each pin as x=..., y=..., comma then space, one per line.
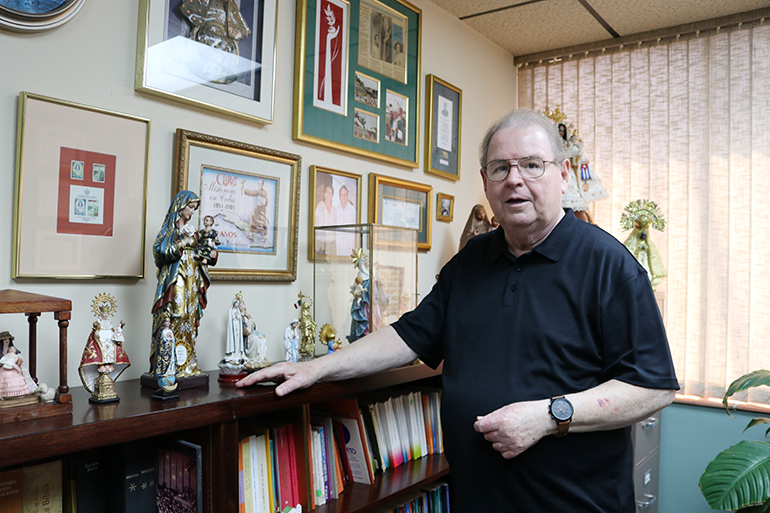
x=81, y=194
x=443, y=132
x=358, y=103
x=445, y=207
x=183, y=55
x=251, y=194
x=335, y=199
x=396, y=202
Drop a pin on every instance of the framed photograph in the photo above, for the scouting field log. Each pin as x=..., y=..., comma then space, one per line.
x=33, y=16
x=443, y=110
x=335, y=199
x=445, y=207
x=182, y=55
x=251, y=194
x=396, y=116
x=81, y=191
x=367, y=90
x=395, y=202
x=384, y=39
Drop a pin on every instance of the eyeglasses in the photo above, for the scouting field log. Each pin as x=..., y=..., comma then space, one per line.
x=529, y=167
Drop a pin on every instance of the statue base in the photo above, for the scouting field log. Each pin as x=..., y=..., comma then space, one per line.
x=162, y=395
x=231, y=379
x=200, y=381
x=94, y=400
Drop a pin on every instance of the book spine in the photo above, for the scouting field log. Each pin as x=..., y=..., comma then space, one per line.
x=42, y=488
x=241, y=498
x=10, y=491
x=428, y=422
x=284, y=467
x=248, y=477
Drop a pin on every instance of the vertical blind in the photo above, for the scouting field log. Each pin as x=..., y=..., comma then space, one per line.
x=686, y=124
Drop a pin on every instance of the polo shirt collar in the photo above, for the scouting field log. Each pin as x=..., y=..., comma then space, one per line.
x=552, y=247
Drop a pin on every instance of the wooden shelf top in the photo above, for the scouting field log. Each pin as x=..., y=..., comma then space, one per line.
x=137, y=415
x=17, y=301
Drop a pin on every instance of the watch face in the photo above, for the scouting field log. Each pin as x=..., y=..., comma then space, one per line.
x=561, y=409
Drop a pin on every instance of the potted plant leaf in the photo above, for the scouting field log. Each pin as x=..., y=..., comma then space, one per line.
x=739, y=477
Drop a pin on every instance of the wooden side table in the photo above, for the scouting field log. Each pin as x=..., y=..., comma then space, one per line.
x=33, y=305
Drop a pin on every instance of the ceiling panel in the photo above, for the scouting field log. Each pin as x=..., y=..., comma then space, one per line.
x=537, y=26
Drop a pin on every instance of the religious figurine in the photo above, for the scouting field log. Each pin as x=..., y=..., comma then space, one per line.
x=246, y=346
x=183, y=280
x=208, y=240
x=640, y=215
x=306, y=328
x=104, y=359
x=291, y=338
x=584, y=185
x=15, y=380
x=369, y=298
x=164, y=363
x=328, y=337
x=477, y=224
x=219, y=25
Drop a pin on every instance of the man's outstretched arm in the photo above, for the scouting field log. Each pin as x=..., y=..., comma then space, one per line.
x=377, y=351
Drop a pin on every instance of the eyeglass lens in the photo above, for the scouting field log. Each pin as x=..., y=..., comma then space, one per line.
x=529, y=167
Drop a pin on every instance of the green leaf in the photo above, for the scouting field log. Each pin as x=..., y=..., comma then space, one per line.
x=755, y=421
x=750, y=380
x=762, y=508
x=738, y=477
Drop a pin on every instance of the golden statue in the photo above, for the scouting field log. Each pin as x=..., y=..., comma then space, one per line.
x=306, y=328
x=640, y=215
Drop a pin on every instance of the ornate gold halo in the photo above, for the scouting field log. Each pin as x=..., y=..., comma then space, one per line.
x=104, y=301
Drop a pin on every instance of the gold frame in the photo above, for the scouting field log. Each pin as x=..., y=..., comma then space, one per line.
x=39, y=250
x=196, y=94
x=245, y=154
x=430, y=87
x=298, y=119
x=314, y=170
x=439, y=217
x=375, y=213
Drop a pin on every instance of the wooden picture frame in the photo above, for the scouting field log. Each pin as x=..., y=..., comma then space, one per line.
x=330, y=113
x=396, y=202
x=252, y=194
x=443, y=132
x=81, y=194
x=344, y=186
x=173, y=64
x=445, y=207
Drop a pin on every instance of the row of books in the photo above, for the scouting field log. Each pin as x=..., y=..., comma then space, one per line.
x=402, y=427
x=267, y=471
x=431, y=499
x=32, y=489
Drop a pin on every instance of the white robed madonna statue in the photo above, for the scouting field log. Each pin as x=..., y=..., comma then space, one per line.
x=246, y=346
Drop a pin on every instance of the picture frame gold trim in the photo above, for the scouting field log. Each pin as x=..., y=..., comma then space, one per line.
x=447, y=218
x=335, y=131
x=314, y=200
x=18, y=21
x=196, y=152
x=46, y=238
x=395, y=189
x=151, y=77
x=439, y=160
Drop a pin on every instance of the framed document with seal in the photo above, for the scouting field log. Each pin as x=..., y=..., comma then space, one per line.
x=395, y=202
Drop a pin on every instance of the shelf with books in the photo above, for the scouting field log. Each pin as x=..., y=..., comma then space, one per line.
x=218, y=416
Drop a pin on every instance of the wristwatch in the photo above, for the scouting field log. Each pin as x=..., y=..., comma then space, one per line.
x=561, y=410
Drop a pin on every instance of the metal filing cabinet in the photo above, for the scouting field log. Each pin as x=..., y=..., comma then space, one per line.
x=646, y=440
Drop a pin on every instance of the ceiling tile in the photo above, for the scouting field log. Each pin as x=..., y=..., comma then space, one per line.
x=539, y=26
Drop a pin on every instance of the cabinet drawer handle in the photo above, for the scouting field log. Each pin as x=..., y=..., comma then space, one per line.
x=650, y=422
x=649, y=501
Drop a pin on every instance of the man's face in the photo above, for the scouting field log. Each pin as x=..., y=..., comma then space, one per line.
x=520, y=204
x=344, y=197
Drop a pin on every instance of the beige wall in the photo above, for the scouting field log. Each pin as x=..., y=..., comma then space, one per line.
x=91, y=61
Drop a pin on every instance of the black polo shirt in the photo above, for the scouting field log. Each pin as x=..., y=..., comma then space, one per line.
x=573, y=313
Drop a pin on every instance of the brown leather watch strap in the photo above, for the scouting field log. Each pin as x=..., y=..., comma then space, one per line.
x=562, y=426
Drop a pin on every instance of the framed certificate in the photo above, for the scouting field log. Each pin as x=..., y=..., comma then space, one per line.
x=395, y=202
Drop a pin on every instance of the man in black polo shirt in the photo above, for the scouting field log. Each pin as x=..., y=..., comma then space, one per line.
x=545, y=326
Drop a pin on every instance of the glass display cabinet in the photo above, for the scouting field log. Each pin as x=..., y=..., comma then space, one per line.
x=365, y=278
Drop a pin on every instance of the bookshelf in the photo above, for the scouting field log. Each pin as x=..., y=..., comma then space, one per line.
x=213, y=415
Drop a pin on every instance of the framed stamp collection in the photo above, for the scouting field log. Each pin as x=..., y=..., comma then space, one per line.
x=81, y=191
x=252, y=195
x=357, y=77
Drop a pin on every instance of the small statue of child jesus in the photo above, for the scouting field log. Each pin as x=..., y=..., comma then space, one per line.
x=208, y=240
